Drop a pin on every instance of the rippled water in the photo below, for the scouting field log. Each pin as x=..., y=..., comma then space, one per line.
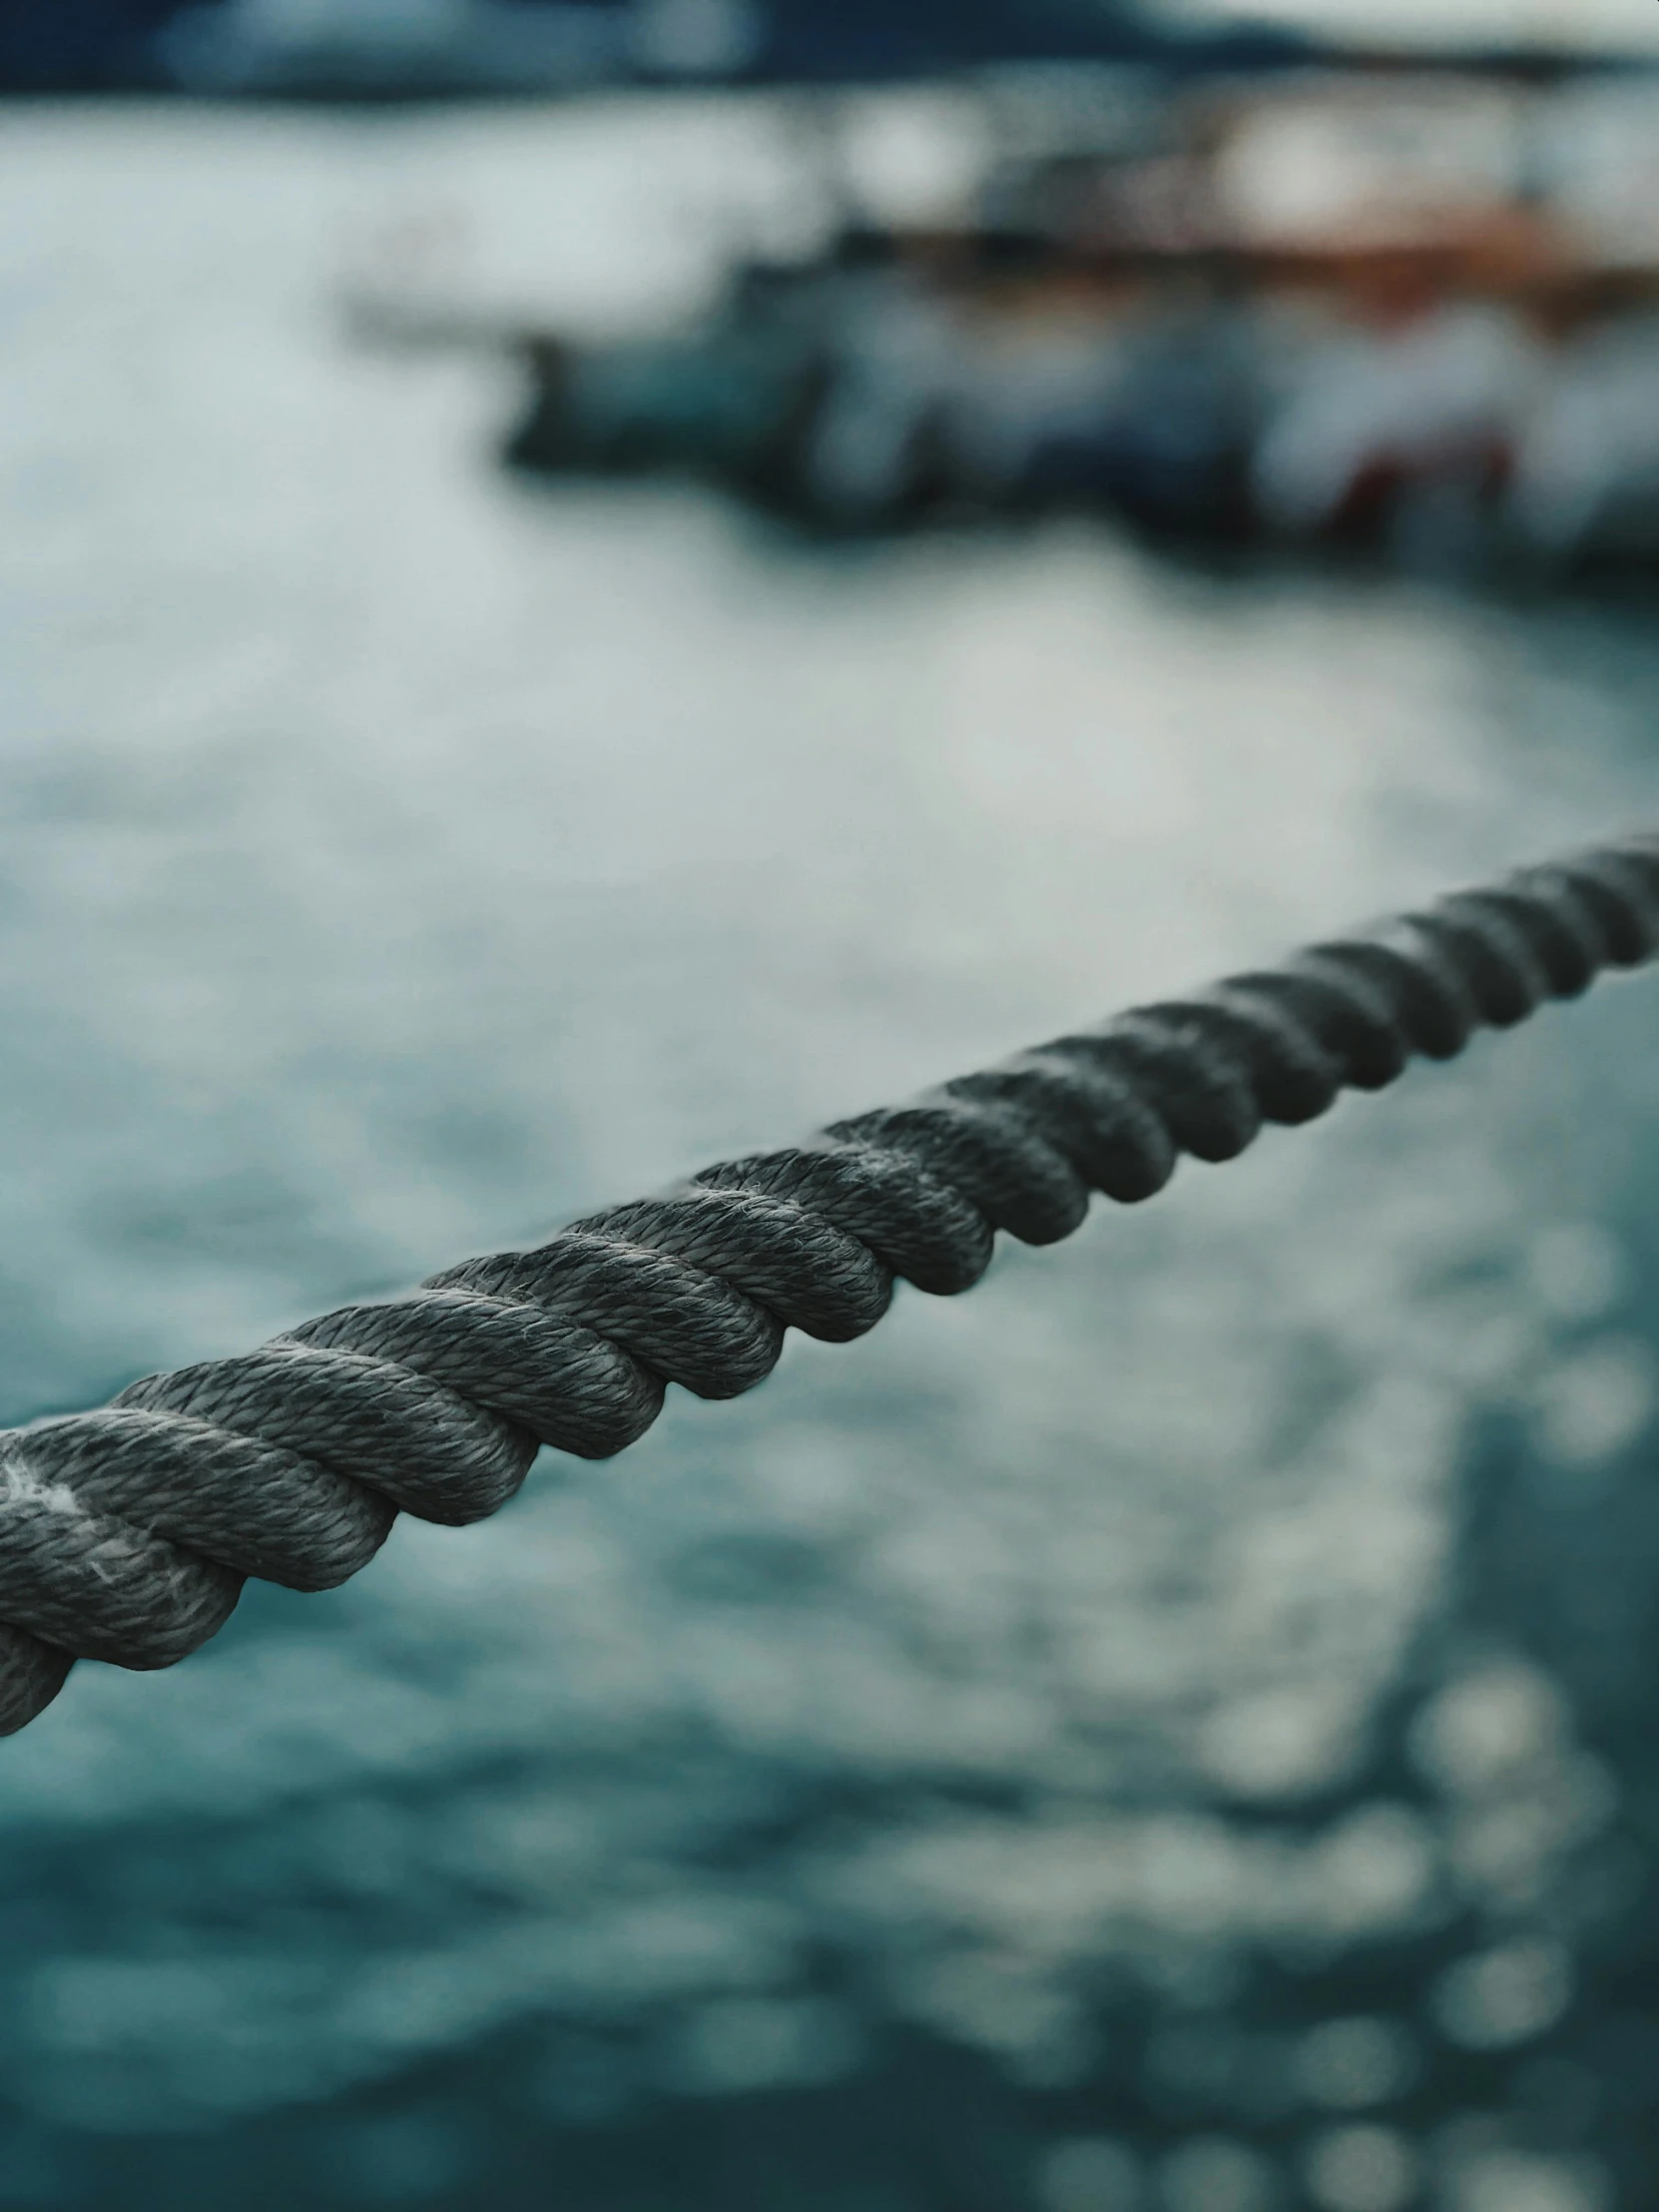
x=1170, y=1731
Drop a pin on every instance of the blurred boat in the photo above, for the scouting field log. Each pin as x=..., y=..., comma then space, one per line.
x=1360, y=395
x=1329, y=312
x=902, y=376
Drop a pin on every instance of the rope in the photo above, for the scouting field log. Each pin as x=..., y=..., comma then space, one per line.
x=126, y=1534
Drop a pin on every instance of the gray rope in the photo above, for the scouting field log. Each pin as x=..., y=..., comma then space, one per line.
x=126, y=1534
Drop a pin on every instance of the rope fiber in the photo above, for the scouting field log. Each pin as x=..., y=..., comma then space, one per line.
x=126, y=1534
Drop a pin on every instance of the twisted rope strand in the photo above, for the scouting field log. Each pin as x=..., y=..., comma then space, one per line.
x=126, y=1534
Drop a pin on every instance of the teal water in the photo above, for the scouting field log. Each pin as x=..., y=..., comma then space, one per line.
x=1169, y=1733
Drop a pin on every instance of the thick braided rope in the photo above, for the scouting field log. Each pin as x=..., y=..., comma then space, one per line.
x=126, y=1534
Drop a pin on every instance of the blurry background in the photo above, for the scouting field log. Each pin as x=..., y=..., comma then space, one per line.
x=590, y=587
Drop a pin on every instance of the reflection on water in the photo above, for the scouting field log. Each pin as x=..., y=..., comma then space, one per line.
x=1168, y=1734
